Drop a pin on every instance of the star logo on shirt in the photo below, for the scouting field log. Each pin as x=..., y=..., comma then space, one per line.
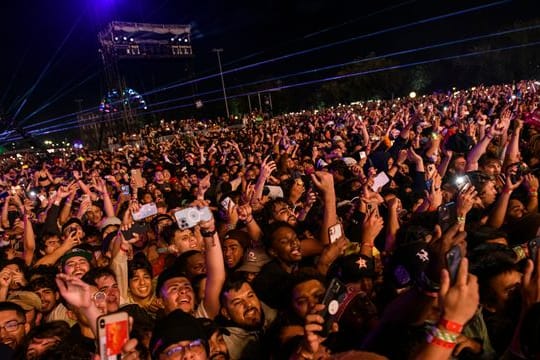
x=362, y=264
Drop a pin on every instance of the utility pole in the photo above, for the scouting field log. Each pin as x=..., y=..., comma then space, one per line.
x=218, y=52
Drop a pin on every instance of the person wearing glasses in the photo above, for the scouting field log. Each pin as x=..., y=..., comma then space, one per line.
x=179, y=336
x=13, y=326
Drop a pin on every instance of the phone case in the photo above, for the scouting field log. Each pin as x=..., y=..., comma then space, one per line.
x=332, y=301
x=113, y=333
x=335, y=232
x=453, y=260
x=145, y=211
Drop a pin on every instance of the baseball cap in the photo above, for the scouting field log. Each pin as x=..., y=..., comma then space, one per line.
x=352, y=268
x=241, y=236
x=28, y=300
x=175, y=327
x=254, y=260
x=109, y=221
x=73, y=220
x=210, y=327
x=76, y=252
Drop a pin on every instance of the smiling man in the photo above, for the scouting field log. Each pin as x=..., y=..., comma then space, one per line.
x=247, y=319
x=283, y=246
x=13, y=326
x=76, y=262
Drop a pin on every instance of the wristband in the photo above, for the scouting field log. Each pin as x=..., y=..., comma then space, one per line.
x=446, y=336
x=249, y=221
x=124, y=249
x=507, y=191
x=533, y=194
x=460, y=219
x=444, y=344
x=230, y=227
x=208, y=234
x=451, y=325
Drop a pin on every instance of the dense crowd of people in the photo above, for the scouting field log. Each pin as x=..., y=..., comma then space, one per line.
x=381, y=229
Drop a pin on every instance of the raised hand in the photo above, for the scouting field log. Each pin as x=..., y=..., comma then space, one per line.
x=74, y=291
x=460, y=301
x=323, y=181
x=267, y=167
x=465, y=201
x=371, y=227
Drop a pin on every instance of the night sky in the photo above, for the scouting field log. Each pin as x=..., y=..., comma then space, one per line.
x=61, y=37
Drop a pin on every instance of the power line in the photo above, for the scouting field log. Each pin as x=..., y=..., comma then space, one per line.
x=317, y=81
x=302, y=52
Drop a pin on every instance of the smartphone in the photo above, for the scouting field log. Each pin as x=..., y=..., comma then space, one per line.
x=125, y=189
x=381, y=179
x=226, y=203
x=533, y=248
x=462, y=183
x=274, y=191
x=362, y=155
x=453, y=260
x=447, y=215
x=333, y=298
x=191, y=216
x=136, y=175
x=113, y=333
x=335, y=232
x=145, y=211
x=137, y=228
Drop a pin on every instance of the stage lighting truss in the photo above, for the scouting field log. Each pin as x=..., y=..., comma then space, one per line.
x=141, y=40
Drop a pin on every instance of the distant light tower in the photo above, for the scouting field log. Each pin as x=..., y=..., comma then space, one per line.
x=218, y=52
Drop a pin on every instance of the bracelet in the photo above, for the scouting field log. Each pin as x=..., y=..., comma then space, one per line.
x=208, y=234
x=230, y=227
x=507, y=191
x=443, y=334
x=249, y=221
x=489, y=136
x=441, y=343
x=451, y=325
x=124, y=249
x=460, y=219
x=533, y=194
x=368, y=245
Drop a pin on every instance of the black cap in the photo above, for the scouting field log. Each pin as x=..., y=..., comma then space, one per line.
x=175, y=327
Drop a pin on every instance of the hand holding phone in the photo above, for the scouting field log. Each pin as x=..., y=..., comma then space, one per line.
x=113, y=333
x=335, y=232
x=332, y=300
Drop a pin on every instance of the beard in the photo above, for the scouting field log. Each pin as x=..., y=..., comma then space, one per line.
x=219, y=356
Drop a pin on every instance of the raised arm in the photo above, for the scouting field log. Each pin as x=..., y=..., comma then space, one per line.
x=29, y=240
x=474, y=155
x=215, y=268
x=496, y=217
x=108, y=207
x=325, y=183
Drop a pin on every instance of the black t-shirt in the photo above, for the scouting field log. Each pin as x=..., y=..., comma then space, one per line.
x=78, y=338
x=272, y=285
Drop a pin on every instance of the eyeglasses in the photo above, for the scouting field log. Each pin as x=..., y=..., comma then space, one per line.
x=179, y=351
x=99, y=297
x=11, y=326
